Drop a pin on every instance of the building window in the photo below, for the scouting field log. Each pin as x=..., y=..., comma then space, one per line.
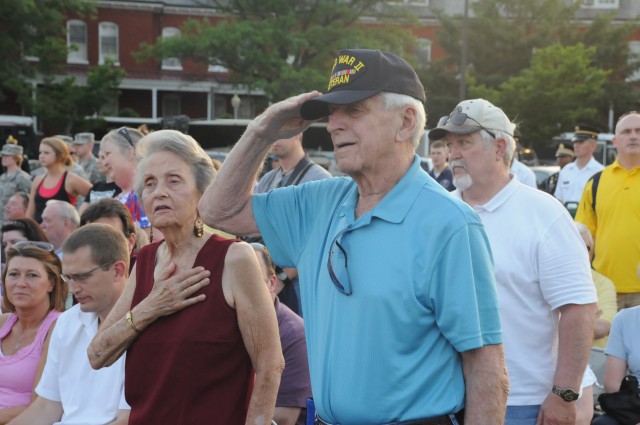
x=423, y=52
x=601, y=4
x=171, y=105
x=634, y=60
x=77, y=42
x=108, y=34
x=171, y=63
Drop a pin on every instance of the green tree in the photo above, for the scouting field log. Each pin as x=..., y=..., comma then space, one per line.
x=612, y=54
x=441, y=86
x=34, y=29
x=285, y=46
x=559, y=89
x=506, y=34
x=63, y=105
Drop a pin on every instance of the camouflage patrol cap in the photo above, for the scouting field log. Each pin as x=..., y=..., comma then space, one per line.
x=11, y=149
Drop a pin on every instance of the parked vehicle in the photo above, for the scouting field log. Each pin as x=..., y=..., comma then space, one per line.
x=546, y=177
x=220, y=154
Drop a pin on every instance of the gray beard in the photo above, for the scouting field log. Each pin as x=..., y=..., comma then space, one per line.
x=463, y=182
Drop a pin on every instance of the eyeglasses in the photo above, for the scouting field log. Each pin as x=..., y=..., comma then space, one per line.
x=46, y=246
x=82, y=277
x=125, y=133
x=458, y=118
x=337, y=264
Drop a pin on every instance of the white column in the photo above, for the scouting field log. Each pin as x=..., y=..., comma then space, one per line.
x=154, y=103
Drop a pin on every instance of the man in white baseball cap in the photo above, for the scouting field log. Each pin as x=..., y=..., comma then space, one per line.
x=542, y=273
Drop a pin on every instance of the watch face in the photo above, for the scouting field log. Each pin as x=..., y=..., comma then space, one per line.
x=569, y=395
x=282, y=276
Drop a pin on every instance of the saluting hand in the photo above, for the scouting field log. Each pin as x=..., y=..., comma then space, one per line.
x=282, y=120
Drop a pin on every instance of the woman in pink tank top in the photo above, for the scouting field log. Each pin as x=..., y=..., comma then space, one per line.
x=34, y=296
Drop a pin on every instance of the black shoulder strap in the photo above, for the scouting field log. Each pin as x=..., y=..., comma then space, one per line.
x=594, y=189
x=302, y=173
x=298, y=172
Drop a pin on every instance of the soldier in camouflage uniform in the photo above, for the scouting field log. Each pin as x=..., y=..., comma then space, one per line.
x=14, y=179
x=83, y=148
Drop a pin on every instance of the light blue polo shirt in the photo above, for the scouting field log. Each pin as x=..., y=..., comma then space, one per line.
x=423, y=286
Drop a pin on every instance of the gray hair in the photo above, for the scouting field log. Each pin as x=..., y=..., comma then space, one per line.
x=395, y=100
x=66, y=210
x=511, y=143
x=182, y=145
x=119, y=140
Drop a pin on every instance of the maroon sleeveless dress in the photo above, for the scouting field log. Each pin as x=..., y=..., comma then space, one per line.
x=191, y=367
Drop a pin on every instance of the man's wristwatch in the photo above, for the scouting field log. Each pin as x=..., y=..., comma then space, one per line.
x=567, y=394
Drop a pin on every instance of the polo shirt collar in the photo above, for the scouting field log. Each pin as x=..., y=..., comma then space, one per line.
x=396, y=204
x=617, y=167
x=499, y=198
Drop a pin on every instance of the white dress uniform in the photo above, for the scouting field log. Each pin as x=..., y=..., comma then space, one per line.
x=572, y=180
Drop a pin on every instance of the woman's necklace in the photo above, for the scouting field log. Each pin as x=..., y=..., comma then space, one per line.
x=22, y=334
x=19, y=342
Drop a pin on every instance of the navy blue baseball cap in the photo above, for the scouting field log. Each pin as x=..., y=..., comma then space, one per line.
x=360, y=74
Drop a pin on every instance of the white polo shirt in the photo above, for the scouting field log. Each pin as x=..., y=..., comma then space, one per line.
x=572, y=180
x=540, y=265
x=88, y=396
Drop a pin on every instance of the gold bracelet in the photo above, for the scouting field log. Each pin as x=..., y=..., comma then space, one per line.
x=129, y=317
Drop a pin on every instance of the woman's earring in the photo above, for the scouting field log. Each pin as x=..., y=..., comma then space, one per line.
x=198, y=227
x=151, y=234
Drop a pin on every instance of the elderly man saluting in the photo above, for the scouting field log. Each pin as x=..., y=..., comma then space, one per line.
x=401, y=315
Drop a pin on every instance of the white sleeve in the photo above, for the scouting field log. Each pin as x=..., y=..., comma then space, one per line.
x=49, y=386
x=560, y=246
x=559, y=192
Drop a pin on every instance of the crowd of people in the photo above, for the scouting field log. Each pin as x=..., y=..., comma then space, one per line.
x=152, y=286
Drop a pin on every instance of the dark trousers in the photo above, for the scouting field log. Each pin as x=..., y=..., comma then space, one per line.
x=440, y=420
x=605, y=420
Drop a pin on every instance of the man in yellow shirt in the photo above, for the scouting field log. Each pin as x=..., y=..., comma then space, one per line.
x=613, y=214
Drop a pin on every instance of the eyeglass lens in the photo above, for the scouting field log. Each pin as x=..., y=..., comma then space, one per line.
x=81, y=277
x=337, y=265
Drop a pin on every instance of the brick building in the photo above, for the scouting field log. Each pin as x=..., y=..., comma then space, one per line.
x=157, y=89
